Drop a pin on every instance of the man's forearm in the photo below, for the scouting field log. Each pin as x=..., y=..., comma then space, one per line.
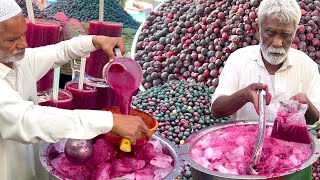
x=227, y=105
x=312, y=114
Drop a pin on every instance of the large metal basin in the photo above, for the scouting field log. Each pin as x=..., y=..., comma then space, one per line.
x=201, y=173
x=168, y=147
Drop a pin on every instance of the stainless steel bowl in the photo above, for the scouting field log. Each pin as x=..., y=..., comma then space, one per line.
x=169, y=148
x=201, y=173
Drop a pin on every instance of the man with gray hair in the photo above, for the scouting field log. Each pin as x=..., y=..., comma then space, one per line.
x=287, y=73
x=22, y=121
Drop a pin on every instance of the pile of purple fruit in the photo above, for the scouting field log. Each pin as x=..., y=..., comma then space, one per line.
x=181, y=108
x=187, y=39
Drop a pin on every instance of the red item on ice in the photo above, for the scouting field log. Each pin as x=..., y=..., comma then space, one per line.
x=290, y=123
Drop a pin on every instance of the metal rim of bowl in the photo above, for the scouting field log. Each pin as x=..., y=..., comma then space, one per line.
x=185, y=150
x=174, y=152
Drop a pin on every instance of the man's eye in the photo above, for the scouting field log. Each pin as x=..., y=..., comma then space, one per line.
x=270, y=33
x=12, y=40
x=287, y=35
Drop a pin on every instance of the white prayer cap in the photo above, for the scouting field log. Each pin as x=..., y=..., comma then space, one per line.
x=8, y=9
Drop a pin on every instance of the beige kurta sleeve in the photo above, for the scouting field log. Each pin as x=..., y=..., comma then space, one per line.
x=43, y=58
x=26, y=122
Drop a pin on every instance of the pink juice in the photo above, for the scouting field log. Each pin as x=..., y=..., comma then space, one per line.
x=124, y=85
x=82, y=99
x=289, y=131
x=42, y=33
x=64, y=100
x=124, y=76
x=98, y=59
x=106, y=98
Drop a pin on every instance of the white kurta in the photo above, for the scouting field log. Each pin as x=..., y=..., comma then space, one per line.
x=298, y=74
x=22, y=121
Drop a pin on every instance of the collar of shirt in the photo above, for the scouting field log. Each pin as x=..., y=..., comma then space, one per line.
x=258, y=57
x=4, y=70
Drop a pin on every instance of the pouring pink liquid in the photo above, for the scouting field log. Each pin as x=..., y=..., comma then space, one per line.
x=123, y=82
x=98, y=59
x=124, y=76
x=82, y=99
x=42, y=33
x=106, y=97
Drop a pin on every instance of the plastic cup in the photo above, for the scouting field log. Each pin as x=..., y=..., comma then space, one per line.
x=82, y=99
x=64, y=99
x=42, y=33
x=106, y=97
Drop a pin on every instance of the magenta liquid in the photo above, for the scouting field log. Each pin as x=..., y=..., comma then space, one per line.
x=289, y=132
x=42, y=33
x=82, y=99
x=64, y=100
x=106, y=98
x=124, y=83
x=98, y=59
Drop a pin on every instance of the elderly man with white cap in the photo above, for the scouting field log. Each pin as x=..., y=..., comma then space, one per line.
x=22, y=121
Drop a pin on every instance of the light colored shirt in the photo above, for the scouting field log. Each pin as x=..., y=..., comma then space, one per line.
x=272, y=78
x=23, y=121
x=298, y=74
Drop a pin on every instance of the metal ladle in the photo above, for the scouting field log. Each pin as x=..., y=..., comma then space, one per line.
x=261, y=134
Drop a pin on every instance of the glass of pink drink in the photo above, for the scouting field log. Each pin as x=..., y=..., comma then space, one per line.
x=82, y=99
x=42, y=33
x=106, y=98
x=64, y=100
x=98, y=59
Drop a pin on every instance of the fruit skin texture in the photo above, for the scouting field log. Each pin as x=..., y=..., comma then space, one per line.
x=86, y=10
x=201, y=32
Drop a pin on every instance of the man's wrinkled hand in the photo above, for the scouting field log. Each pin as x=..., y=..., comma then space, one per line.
x=108, y=44
x=251, y=94
x=130, y=127
x=301, y=98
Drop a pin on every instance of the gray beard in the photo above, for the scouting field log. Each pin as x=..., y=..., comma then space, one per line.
x=274, y=60
x=10, y=59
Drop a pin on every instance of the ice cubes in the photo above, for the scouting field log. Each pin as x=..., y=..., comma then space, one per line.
x=102, y=172
x=157, y=146
x=294, y=160
x=102, y=152
x=208, y=153
x=204, y=142
x=131, y=176
x=146, y=152
x=121, y=167
x=144, y=174
x=161, y=161
x=196, y=152
x=60, y=145
x=236, y=155
x=72, y=171
x=159, y=174
x=135, y=164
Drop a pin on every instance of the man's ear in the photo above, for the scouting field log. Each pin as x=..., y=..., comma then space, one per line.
x=257, y=32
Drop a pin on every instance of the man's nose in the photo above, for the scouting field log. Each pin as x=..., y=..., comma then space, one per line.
x=277, y=42
x=22, y=43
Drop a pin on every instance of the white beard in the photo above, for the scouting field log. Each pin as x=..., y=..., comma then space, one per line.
x=274, y=56
x=13, y=58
